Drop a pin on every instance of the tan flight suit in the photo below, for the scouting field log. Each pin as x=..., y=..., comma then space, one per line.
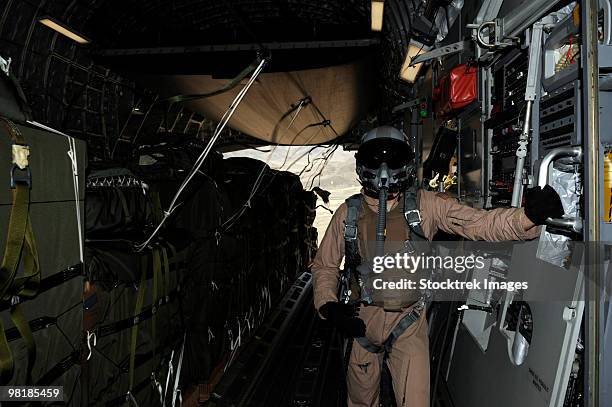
x=409, y=358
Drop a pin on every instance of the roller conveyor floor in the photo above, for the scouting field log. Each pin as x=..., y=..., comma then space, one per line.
x=293, y=360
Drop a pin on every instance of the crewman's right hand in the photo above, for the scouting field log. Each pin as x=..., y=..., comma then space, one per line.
x=344, y=316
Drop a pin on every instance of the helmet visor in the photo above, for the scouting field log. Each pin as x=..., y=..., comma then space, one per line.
x=394, y=153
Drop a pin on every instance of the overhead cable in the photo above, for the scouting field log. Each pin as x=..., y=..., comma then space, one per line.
x=229, y=86
x=202, y=158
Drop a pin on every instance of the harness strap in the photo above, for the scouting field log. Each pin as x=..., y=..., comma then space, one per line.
x=350, y=231
x=352, y=259
x=412, y=214
x=406, y=322
x=413, y=218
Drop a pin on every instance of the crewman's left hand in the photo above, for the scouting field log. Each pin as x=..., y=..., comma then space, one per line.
x=542, y=203
x=345, y=317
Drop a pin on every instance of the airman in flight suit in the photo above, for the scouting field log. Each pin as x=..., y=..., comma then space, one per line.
x=408, y=360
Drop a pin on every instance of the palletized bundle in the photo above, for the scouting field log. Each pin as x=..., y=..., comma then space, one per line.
x=308, y=233
x=133, y=318
x=167, y=156
x=41, y=213
x=245, y=225
x=250, y=248
x=119, y=204
x=211, y=264
x=116, y=211
x=132, y=315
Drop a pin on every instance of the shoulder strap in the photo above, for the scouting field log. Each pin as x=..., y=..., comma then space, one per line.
x=351, y=251
x=412, y=214
x=353, y=205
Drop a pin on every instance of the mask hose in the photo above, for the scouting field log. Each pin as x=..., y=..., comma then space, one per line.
x=382, y=179
x=365, y=272
x=381, y=225
x=383, y=192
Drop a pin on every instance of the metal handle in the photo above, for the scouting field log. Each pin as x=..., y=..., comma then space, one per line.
x=574, y=224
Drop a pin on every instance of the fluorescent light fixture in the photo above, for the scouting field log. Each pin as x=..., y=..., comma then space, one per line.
x=63, y=29
x=410, y=73
x=378, y=8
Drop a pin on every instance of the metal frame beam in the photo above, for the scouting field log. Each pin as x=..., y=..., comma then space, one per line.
x=593, y=180
x=442, y=51
x=408, y=105
x=366, y=42
x=521, y=18
x=488, y=11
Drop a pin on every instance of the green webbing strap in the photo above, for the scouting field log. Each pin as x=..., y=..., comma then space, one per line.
x=6, y=358
x=229, y=86
x=126, y=210
x=20, y=246
x=173, y=251
x=164, y=278
x=15, y=239
x=165, y=270
x=139, y=302
x=158, y=212
x=23, y=326
x=172, y=259
x=29, y=284
x=27, y=287
x=156, y=280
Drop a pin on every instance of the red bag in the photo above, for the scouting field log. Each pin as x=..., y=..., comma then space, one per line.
x=456, y=90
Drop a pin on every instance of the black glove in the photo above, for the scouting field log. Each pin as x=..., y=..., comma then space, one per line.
x=344, y=316
x=542, y=203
